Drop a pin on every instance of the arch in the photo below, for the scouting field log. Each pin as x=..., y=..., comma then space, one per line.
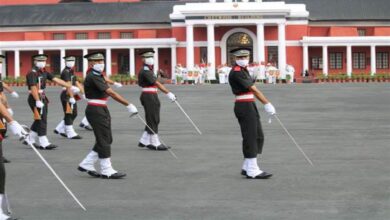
x=233, y=31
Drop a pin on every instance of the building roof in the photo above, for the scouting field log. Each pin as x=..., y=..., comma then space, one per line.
x=157, y=12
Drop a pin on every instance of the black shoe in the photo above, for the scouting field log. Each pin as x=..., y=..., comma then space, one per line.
x=243, y=172
x=263, y=175
x=5, y=160
x=117, y=175
x=49, y=147
x=90, y=172
x=159, y=147
x=87, y=127
x=141, y=144
x=76, y=137
x=35, y=145
x=57, y=132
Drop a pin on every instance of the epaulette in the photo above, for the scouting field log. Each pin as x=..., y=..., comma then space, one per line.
x=237, y=68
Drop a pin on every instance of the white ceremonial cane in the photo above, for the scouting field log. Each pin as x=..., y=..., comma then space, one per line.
x=292, y=138
x=188, y=117
x=144, y=122
x=51, y=169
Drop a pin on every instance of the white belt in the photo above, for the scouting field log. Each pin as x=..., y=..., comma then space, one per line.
x=97, y=101
x=149, y=89
x=244, y=97
x=39, y=91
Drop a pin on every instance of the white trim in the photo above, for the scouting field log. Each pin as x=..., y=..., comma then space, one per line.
x=173, y=62
x=349, y=23
x=17, y=63
x=325, y=60
x=346, y=41
x=289, y=43
x=211, y=52
x=156, y=65
x=247, y=96
x=190, y=46
x=97, y=101
x=108, y=62
x=373, y=59
x=349, y=60
x=228, y=34
x=78, y=28
x=132, y=61
x=85, y=62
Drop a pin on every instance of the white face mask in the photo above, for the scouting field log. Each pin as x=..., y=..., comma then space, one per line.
x=242, y=63
x=70, y=64
x=149, y=61
x=98, y=67
x=40, y=64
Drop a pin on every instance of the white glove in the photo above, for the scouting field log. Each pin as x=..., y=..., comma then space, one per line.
x=39, y=104
x=132, y=109
x=72, y=100
x=15, y=94
x=75, y=89
x=10, y=111
x=171, y=96
x=84, y=97
x=17, y=129
x=269, y=108
x=118, y=85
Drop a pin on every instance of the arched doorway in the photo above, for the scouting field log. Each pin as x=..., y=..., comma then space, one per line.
x=237, y=40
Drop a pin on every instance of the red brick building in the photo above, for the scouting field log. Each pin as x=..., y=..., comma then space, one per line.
x=330, y=37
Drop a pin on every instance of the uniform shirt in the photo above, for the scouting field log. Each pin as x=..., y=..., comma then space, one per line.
x=95, y=85
x=37, y=76
x=146, y=77
x=68, y=76
x=240, y=80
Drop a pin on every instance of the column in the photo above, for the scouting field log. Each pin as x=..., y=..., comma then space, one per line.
x=156, y=65
x=62, y=54
x=3, y=70
x=373, y=60
x=282, y=48
x=17, y=63
x=173, y=62
x=349, y=60
x=325, y=60
x=260, y=43
x=305, y=59
x=108, y=62
x=85, y=62
x=211, y=51
x=190, y=46
x=132, y=62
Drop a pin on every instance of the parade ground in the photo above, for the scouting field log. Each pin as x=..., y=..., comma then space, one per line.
x=343, y=128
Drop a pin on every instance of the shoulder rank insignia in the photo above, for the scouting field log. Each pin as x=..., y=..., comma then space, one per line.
x=237, y=68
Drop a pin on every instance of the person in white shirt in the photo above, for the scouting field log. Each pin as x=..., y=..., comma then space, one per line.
x=290, y=70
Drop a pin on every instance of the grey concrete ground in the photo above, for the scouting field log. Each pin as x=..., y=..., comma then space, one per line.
x=343, y=128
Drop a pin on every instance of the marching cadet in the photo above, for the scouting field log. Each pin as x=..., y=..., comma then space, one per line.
x=247, y=114
x=97, y=92
x=18, y=130
x=151, y=103
x=65, y=127
x=37, y=100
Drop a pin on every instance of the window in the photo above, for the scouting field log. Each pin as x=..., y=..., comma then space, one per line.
x=79, y=64
x=59, y=36
x=359, y=60
x=81, y=36
x=362, y=32
x=203, y=55
x=316, y=63
x=104, y=35
x=55, y=64
x=336, y=60
x=126, y=35
x=123, y=61
x=382, y=60
x=273, y=55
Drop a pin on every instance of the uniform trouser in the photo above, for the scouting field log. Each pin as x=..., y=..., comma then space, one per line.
x=2, y=170
x=251, y=131
x=39, y=126
x=100, y=120
x=68, y=118
x=151, y=105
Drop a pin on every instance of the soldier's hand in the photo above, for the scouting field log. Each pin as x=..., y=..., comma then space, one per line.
x=171, y=96
x=118, y=85
x=10, y=111
x=15, y=94
x=269, y=108
x=39, y=104
x=132, y=109
x=72, y=100
x=75, y=89
x=17, y=129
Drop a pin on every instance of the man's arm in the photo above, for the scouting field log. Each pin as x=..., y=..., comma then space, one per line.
x=117, y=97
x=64, y=84
x=259, y=95
x=80, y=86
x=8, y=88
x=162, y=87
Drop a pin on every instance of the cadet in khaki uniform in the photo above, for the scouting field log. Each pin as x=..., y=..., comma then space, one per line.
x=151, y=102
x=247, y=114
x=38, y=102
x=97, y=92
x=65, y=127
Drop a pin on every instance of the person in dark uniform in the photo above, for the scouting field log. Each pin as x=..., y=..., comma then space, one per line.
x=38, y=102
x=243, y=87
x=65, y=127
x=18, y=130
x=97, y=92
x=150, y=102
